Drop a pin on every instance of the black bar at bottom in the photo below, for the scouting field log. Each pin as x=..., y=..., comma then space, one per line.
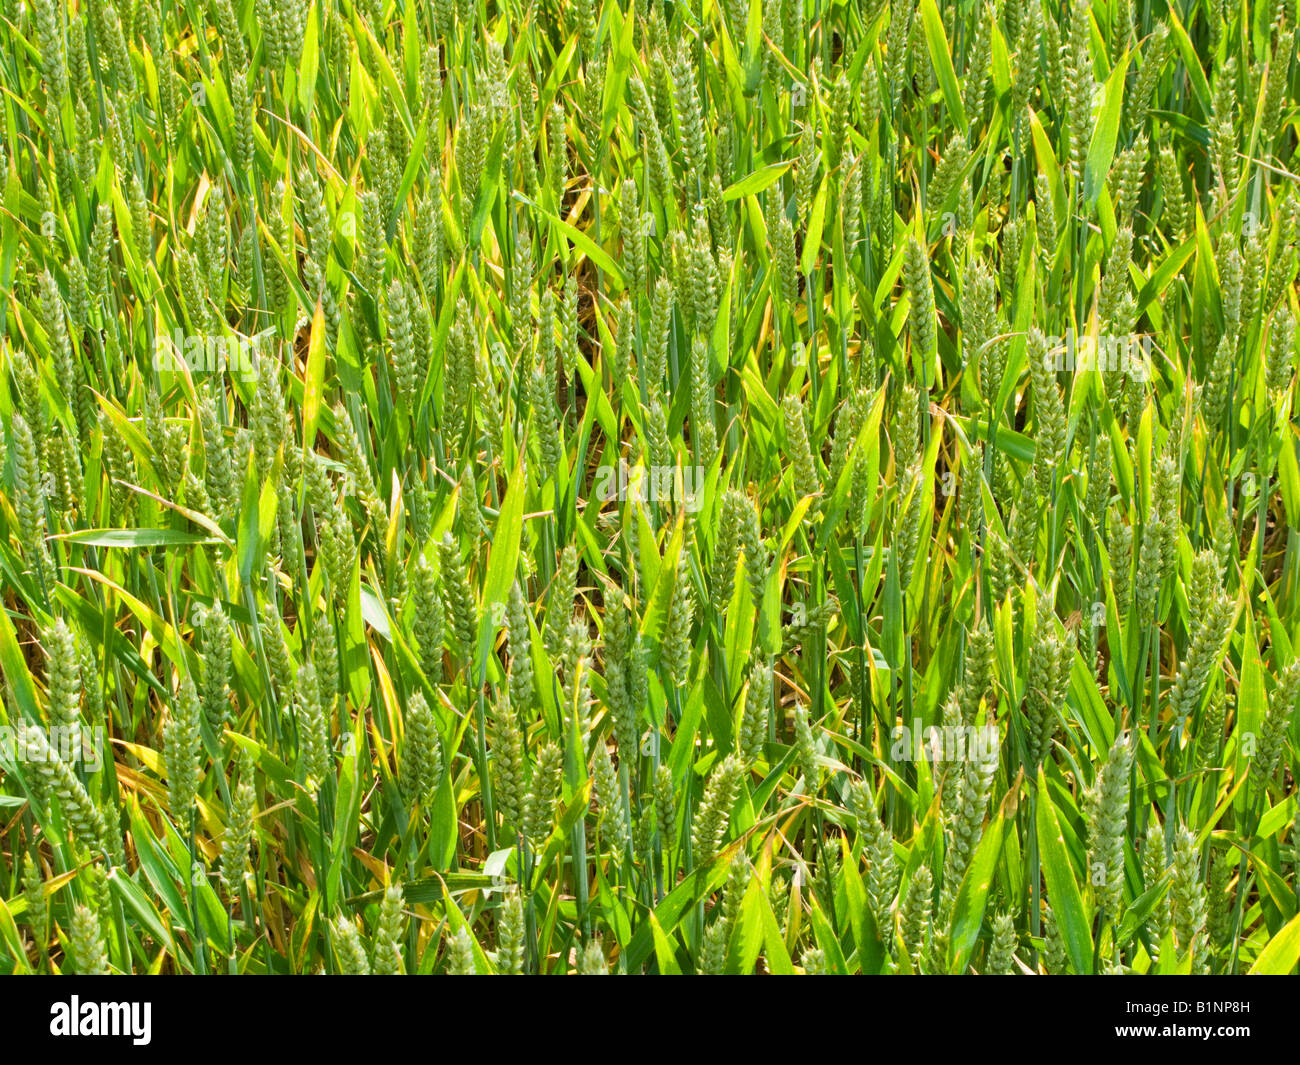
x=297, y=1016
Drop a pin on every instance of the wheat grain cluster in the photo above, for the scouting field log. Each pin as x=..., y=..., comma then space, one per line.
x=649, y=486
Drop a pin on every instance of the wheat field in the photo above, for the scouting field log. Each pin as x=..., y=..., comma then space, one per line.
x=634, y=486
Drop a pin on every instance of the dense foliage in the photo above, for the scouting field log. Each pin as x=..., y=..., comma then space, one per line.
x=510, y=487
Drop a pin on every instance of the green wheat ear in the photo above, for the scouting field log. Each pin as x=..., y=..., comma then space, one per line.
x=620, y=669
x=63, y=675
x=215, y=662
x=1097, y=502
x=754, y=717
x=805, y=749
x=717, y=935
x=980, y=349
x=665, y=806
x=509, y=766
x=714, y=812
x=677, y=646
x=1275, y=91
x=613, y=817
x=422, y=757
x=231, y=37
x=313, y=728
x=977, y=78
x=119, y=58
x=686, y=104
x=799, y=451
x=1213, y=611
x=1106, y=810
x=1281, y=354
x=427, y=620
x=510, y=938
x=1188, y=898
x=898, y=43
x=980, y=676
x=783, y=254
x=757, y=565
x=86, y=942
x=49, y=37
x=460, y=954
x=657, y=336
x=703, y=415
x=593, y=961
x=726, y=550
x=37, y=914
x=805, y=186
x=1154, y=865
x=1049, y=411
x=914, y=917
x=1049, y=674
x=1000, y=959
x=1055, y=955
x=543, y=794
x=458, y=599
x=386, y=958
x=949, y=168
x=181, y=749
x=1154, y=54
x=1079, y=81
x=1223, y=137
x=973, y=800
x=1221, y=900
x=1129, y=170
x=560, y=601
x=401, y=345
x=558, y=156
x=349, y=949
x=239, y=823
x=1277, y=721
